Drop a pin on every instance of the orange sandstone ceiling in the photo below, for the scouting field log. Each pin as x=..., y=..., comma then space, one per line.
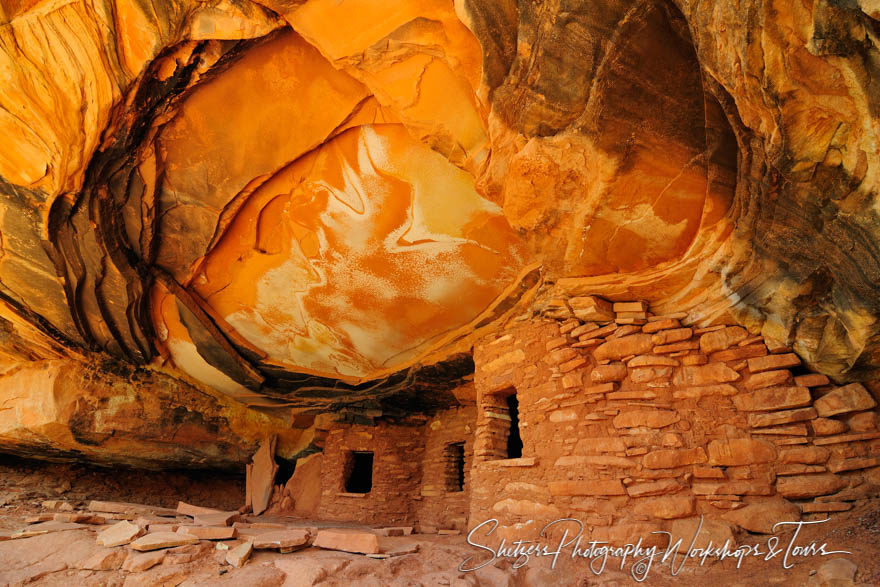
x=294, y=201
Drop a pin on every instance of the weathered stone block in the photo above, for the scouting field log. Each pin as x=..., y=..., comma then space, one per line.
x=784, y=417
x=348, y=541
x=696, y=375
x=773, y=398
x=733, y=452
x=634, y=344
x=670, y=336
x=802, y=486
x=652, y=361
x=645, y=374
x=770, y=362
x=667, y=507
x=591, y=309
x=722, y=339
x=863, y=422
x=611, y=372
x=671, y=458
x=646, y=418
x=808, y=455
x=827, y=426
x=768, y=379
x=723, y=389
x=657, y=325
x=661, y=487
x=849, y=398
x=630, y=306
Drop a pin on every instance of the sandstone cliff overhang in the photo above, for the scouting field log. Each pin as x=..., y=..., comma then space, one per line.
x=307, y=204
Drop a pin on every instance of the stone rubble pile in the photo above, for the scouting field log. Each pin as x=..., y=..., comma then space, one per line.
x=136, y=537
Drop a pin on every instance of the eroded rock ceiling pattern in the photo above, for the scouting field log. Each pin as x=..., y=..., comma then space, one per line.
x=300, y=201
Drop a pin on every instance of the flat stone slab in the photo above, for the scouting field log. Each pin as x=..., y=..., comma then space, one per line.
x=192, y=511
x=209, y=532
x=120, y=507
x=158, y=540
x=348, y=541
x=239, y=555
x=216, y=519
x=141, y=561
x=398, y=551
x=283, y=540
x=45, y=528
x=119, y=534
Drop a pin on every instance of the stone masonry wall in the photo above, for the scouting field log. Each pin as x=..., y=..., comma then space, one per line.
x=397, y=458
x=441, y=506
x=632, y=423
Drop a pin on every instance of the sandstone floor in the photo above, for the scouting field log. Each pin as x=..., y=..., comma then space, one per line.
x=60, y=557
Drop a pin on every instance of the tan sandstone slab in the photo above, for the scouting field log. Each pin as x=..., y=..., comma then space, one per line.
x=734, y=452
x=209, y=532
x=712, y=373
x=118, y=507
x=722, y=339
x=591, y=309
x=801, y=486
x=119, y=534
x=783, y=417
x=849, y=398
x=667, y=507
x=192, y=511
x=618, y=348
x=807, y=455
x=239, y=555
x=157, y=540
x=646, y=418
x=673, y=458
x=670, y=336
x=283, y=540
x=348, y=541
x=141, y=561
x=611, y=372
x=768, y=379
x=773, y=398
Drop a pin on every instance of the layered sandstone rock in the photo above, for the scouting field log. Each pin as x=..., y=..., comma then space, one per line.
x=311, y=204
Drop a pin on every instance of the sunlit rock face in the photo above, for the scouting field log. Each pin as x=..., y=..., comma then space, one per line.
x=314, y=227
x=290, y=202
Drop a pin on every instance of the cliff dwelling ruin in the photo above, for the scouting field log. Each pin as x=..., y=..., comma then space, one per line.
x=349, y=292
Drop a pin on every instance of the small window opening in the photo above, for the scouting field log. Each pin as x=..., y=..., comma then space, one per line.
x=514, y=441
x=455, y=467
x=360, y=473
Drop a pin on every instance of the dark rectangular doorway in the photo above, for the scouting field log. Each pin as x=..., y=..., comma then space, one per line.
x=360, y=472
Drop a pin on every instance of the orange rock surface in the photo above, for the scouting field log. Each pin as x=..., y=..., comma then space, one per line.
x=303, y=204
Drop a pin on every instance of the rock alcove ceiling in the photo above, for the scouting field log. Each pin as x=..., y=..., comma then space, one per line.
x=312, y=205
